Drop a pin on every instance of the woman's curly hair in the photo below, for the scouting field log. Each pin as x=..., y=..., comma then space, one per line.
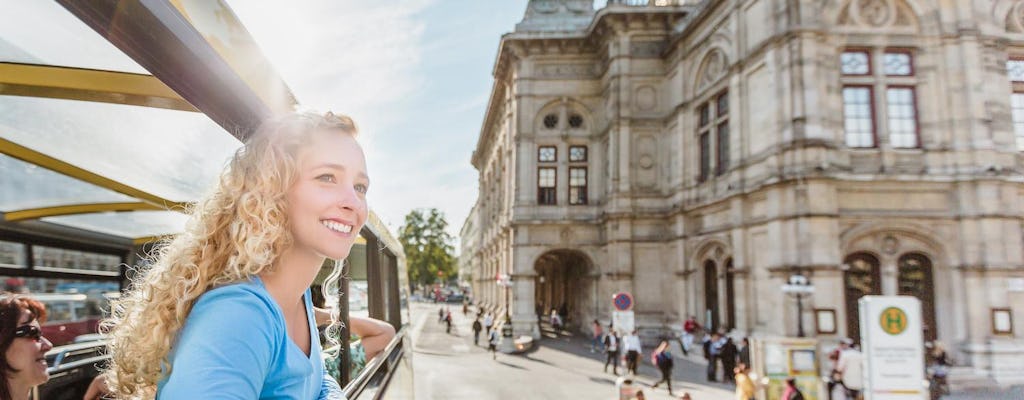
x=235, y=232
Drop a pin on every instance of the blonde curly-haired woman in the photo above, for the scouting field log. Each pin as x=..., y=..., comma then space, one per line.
x=224, y=310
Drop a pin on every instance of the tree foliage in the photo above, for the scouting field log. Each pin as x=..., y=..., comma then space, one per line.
x=428, y=247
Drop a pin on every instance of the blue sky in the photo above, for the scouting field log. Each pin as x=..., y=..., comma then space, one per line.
x=414, y=74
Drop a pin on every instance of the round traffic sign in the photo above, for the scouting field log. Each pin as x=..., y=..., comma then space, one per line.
x=622, y=301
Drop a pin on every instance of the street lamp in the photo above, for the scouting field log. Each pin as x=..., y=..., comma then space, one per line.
x=505, y=281
x=799, y=286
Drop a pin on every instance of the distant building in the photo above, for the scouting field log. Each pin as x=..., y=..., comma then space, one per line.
x=699, y=153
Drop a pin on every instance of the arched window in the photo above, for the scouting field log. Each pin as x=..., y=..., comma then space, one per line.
x=710, y=295
x=861, y=278
x=915, y=279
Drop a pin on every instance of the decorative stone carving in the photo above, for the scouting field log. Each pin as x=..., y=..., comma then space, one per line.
x=568, y=71
x=645, y=98
x=646, y=161
x=874, y=14
x=1015, y=18
x=714, y=68
x=890, y=245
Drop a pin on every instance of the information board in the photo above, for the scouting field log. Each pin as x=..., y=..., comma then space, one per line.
x=893, y=347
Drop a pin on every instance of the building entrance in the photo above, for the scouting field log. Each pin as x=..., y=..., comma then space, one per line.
x=563, y=285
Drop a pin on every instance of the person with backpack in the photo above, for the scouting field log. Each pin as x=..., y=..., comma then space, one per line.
x=791, y=392
x=663, y=360
x=477, y=327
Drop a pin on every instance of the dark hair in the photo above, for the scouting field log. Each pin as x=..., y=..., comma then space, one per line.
x=11, y=306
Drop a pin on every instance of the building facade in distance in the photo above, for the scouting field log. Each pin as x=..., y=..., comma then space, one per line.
x=698, y=154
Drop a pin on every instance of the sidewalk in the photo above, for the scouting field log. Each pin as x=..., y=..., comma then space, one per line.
x=449, y=367
x=689, y=374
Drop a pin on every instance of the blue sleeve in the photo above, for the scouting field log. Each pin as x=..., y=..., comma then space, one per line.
x=225, y=349
x=329, y=389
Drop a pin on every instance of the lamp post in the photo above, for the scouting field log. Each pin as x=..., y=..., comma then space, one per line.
x=505, y=281
x=799, y=286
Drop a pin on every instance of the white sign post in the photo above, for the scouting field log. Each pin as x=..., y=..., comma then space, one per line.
x=891, y=334
x=622, y=313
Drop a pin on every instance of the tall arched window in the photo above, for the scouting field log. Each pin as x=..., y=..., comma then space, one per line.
x=861, y=278
x=710, y=295
x=915, y=279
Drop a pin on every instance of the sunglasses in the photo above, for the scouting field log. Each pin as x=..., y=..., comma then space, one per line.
x=28, y=331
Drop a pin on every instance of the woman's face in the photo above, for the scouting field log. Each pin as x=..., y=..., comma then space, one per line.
x=327, y=202
x=27, y=354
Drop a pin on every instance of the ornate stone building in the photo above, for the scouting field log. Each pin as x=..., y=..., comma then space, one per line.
x=699, y=153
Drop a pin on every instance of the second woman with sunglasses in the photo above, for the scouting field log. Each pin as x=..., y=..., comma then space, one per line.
x=22, y=346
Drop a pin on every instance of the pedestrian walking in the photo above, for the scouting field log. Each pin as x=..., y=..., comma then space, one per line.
x=595, y=342
x=690, y=327
x=440, y=315
x=850, y=367
x=492, y=343
x=611, y=350
x=744, y=385
x=631, y=343
x=556, y=321
x=663, y=360
x=488, y=322
x=465, y=307
x=477, y=327
x=791, y=392
x=711, y=354
x=448, y=322
x=836, y=390
x=744, y=353
x=728, y=355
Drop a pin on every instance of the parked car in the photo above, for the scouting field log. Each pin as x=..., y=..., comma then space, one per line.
x=454, y=298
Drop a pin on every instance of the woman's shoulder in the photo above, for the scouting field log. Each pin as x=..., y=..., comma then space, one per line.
x=248, y=299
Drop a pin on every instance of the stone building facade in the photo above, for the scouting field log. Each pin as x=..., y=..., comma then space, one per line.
x=699, y=153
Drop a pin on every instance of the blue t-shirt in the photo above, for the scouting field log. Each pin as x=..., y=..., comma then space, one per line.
x=235, y=345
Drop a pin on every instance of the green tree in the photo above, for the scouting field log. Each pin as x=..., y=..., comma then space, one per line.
x=428, y=247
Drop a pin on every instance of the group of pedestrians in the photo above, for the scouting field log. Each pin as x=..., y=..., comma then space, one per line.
x=627, y=350
x=492, y=332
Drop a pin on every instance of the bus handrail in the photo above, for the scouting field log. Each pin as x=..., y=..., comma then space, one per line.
x=60, y=352
x=356, y=386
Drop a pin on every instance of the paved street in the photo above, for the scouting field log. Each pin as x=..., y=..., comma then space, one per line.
x=449, y=366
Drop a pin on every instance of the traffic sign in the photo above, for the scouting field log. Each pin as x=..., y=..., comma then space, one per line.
x=622, y=301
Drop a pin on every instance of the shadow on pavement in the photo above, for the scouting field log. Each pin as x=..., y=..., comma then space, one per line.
x=512, y=365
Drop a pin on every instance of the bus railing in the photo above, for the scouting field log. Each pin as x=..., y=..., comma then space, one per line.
x=378, y=371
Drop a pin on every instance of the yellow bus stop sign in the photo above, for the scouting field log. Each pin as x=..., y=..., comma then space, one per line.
x=893, y=321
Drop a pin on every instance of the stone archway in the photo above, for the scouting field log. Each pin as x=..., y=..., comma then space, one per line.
x=563, y=283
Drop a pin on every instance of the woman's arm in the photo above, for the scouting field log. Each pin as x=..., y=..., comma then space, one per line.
x=374, y=334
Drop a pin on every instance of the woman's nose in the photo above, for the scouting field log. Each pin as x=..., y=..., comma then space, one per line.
x=46, y=344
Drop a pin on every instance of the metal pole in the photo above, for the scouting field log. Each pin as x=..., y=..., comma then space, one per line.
x=799, y=315
x=508, y=316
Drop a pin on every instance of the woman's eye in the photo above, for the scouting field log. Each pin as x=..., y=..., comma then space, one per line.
x=326, y=178
x=361, y=188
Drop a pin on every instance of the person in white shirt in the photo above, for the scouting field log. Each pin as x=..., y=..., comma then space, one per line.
x=850, y=368
x=631, y=344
